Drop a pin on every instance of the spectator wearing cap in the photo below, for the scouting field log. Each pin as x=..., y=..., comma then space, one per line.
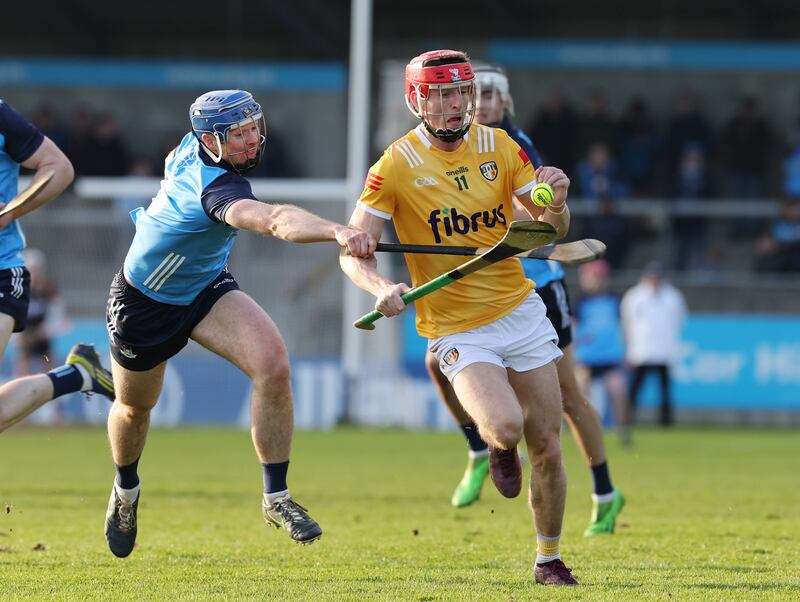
x=653, y=313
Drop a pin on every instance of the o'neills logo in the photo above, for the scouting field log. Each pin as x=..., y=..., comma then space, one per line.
x=451, y=357
x=453, y=221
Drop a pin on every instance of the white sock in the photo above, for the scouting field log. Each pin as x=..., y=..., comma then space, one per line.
x=545, y=548
x=277, y=495
x=603, y=499
x=87, y=380
x=127, y=495
x=478, y=454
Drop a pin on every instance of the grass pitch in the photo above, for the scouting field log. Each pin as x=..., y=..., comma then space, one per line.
x=711, y=514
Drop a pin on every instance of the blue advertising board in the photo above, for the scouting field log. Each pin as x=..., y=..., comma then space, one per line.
x=173, y=74
x=660, y=55
x=727, y=362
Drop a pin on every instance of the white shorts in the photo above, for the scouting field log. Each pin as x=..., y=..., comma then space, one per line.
x=523, y=340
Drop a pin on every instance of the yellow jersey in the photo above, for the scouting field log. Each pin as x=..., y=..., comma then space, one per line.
x=462, y=198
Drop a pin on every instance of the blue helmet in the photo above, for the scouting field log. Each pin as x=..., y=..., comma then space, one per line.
x=220, y=111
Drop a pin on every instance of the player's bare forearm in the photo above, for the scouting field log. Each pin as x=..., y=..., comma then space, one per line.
x=364, y=273
x=48, y=157
x=557, y=213
x=525, y=209
x=287, y=222
x=294, y=224
x=560, y=221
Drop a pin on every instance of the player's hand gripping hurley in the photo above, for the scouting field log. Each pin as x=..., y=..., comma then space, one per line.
x=521, y=236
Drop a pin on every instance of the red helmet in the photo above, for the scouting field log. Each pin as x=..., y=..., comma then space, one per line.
x=442, y=71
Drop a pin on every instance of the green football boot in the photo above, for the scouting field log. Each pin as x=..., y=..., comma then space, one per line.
x=469, y=489
x=604, y=516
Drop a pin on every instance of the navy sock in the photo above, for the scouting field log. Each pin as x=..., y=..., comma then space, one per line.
x=275, y=476
x=602, y=480
x=127, y=476
x=474, y=437
x=65, y=379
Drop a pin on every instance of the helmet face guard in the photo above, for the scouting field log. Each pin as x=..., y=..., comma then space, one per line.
x=440, y=91
x=234, y=119
x=493, y=92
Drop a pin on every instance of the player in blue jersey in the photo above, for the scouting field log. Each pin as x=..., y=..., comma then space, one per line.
x=22, y=144
x=174, y=285
x=495, y=108
x=599, y=342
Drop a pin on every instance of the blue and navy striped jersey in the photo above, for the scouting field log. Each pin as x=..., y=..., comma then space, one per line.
x=18, y=141
x=182, y=241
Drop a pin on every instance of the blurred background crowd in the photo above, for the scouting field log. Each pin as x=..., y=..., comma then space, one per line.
x=677, y=122
x=634, y=154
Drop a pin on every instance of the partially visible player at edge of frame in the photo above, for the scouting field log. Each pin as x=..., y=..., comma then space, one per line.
x=174, y=285
x=495, y=108
x=489, y=330
x=22, y=144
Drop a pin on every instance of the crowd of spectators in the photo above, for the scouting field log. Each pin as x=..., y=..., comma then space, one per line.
x=94, y=143
x=683, y=156
x=633, y=155
x=680, y=156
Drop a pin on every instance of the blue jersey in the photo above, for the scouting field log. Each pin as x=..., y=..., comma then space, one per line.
x=18, y=141
x=541, y=271
x=598, y=331
x=182, y=242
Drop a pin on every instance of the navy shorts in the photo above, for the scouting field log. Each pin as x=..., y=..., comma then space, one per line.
x=600, y=370
x=559, y=310
x=15, y=294
x=143, y=332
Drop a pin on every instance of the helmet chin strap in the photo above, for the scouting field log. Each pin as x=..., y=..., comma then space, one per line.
x=446, y=135
x=209, y=152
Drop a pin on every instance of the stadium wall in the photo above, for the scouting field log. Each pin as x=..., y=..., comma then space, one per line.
x=732, y=369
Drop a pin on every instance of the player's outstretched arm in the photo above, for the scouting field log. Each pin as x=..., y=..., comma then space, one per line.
x=294, y=224
x=363, y=271
x=48, y=156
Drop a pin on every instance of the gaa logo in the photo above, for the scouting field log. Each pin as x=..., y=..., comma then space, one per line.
x=426, y=181
x=489, y=170
x=454, y=75
x=451, y=357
